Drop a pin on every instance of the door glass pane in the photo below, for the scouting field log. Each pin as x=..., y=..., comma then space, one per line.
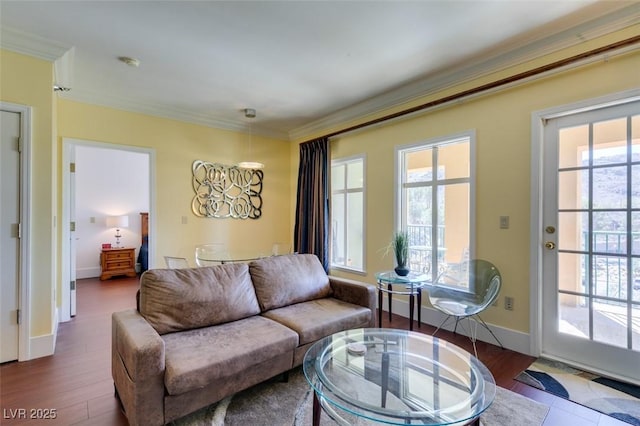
x=635, y=187
x=573, y=147
x=635, y=296
x=572, y=272
x=355, y=237
x=573, y=315
x=610, y=188
x=610, y=232
x=610, y=322
x=419, y=166
x=610, y=141
x=609, y=276
x=455, y=159
x=419, y=227
x=573, y=189
x=573, y=230
x=635, y=312
x=635, y=138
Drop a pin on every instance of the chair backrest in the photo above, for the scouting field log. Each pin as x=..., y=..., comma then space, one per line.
x=485, y=281
x=176, y=262
x=210, y=254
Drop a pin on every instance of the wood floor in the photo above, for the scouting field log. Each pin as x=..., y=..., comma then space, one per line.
x=76, y=382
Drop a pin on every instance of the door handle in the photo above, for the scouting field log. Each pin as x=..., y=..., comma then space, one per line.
x=550, y=245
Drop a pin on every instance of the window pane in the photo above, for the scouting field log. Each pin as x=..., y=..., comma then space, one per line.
x=419, y=211
x=573, y=147
x=419, y=165
x=635, y=312
x=573, y=189
x=454, y=217
x=338, y=230
x=610, y=141
x=355, y=216
x=355, y=175
x=610, y=188
x=337, y=177
x=455, y=160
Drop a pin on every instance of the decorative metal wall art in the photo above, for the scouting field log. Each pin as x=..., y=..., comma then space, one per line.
x=226, y=191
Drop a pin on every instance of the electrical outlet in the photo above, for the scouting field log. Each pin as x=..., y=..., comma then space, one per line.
x=508, y=303
x=504, y=222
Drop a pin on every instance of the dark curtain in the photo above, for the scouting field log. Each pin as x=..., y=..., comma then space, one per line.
x=311, y=233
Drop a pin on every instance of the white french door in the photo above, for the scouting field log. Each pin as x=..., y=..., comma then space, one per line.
x=591, y=238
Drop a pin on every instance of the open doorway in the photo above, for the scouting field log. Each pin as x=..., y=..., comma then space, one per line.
x=101, y=182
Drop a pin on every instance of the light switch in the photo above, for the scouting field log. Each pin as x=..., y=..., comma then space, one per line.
x=92, y=219
x=504, y=222
x=184, y=220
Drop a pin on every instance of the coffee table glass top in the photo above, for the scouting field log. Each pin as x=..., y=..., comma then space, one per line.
x=397, y=377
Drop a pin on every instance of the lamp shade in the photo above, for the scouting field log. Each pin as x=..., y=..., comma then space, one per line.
x=117, y=221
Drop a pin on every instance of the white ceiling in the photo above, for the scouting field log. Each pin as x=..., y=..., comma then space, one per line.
x=301, y=64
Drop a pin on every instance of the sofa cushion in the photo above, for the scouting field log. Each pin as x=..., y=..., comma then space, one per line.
x=288, y=279
x=195, y=358
x=182, y=299
x=319, y=318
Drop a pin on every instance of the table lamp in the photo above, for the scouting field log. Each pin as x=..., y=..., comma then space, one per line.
x=117, y=222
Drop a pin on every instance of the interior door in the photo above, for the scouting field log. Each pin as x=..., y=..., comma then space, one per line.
x=72, y=233
x=591, y=224
x=9, y=235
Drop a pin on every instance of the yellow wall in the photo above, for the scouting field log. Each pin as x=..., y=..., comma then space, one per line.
x=177, y=145
x=503, y=157
x=29, y=81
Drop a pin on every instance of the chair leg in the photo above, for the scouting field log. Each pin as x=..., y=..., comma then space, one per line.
x=487, y=327
x=441, y=324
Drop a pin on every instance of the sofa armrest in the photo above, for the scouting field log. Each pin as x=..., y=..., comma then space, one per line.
x=137, y=367
x=355, y=292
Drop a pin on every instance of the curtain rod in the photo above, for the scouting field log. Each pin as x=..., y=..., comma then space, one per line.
x=492, y=85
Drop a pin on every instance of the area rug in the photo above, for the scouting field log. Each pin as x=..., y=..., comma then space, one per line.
x=278, y=403
x=611, y=397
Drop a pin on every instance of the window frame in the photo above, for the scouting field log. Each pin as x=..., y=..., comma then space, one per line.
x=400, y=207
x=345, y=161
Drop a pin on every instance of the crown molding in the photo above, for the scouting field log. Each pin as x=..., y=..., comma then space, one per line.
x=110, y=101
x=31, y=45
x=515, y=55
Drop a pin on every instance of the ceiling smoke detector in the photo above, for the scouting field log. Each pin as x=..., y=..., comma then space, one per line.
x=132, y=62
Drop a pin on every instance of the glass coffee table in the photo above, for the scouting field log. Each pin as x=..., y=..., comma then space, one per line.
x=390, y=376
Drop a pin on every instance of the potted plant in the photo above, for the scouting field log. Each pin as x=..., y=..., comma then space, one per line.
x=400, y=247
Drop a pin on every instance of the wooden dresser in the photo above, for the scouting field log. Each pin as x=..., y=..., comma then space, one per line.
x=117, y=261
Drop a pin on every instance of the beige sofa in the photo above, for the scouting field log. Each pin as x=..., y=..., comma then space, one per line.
x=202, y=334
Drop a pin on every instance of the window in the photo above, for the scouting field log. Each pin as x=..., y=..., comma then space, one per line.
x=347, y=213
x=435, y=205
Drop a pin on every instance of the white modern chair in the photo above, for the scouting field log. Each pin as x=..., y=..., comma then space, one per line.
x=467, y=291
x=176, y=262
x=211, y=254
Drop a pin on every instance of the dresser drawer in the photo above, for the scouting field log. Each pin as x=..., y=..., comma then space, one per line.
x=119, y=261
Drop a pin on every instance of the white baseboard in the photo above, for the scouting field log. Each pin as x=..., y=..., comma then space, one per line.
x=510, y=339
x=91, y=272
x=45, y=344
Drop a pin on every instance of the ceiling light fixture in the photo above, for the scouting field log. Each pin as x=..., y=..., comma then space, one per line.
x=132, y=62
x=250, y=113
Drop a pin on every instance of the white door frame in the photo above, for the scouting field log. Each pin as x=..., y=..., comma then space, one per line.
x=25, y=227
x=538, y=121
x=68, y=147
